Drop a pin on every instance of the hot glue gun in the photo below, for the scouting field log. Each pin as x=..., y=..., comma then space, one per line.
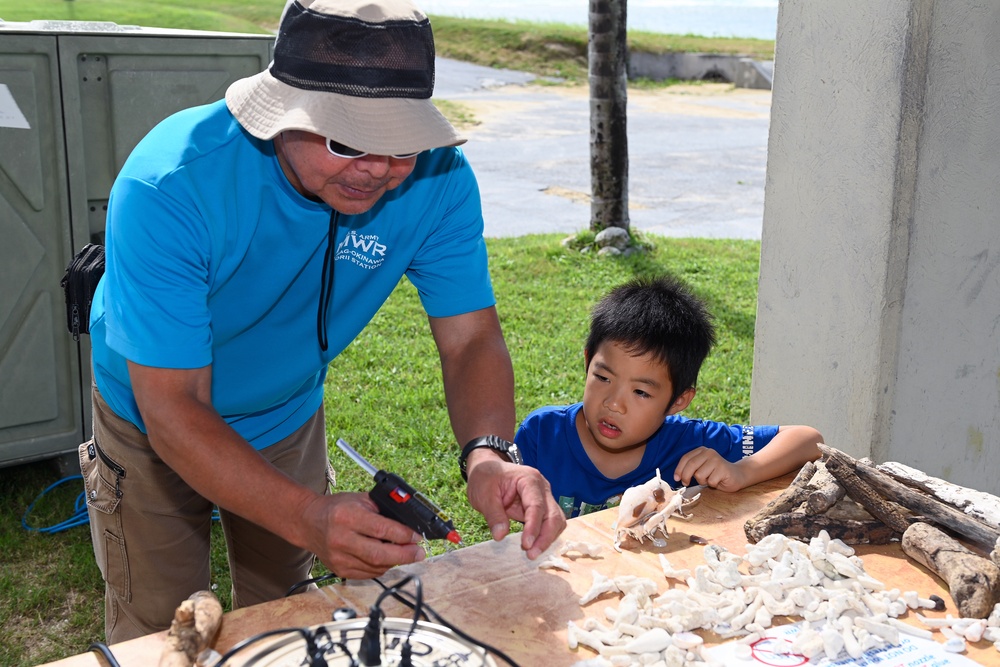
x=399, y=501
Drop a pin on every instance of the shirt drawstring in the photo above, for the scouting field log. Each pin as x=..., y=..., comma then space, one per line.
x=326, y=286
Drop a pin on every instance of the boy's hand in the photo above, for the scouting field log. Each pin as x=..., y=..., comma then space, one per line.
x=706, y=466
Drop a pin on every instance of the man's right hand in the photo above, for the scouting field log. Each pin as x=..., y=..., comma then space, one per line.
x=344, y=530
x=350, y=537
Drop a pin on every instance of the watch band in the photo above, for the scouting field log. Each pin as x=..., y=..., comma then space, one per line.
x=494, y=442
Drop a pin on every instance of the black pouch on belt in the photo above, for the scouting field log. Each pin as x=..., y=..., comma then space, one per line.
x=79, y=284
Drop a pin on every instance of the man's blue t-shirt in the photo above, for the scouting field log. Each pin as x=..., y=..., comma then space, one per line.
x=213, y=258
x=549, y=441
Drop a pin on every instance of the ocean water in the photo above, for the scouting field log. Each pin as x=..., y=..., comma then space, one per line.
x=711, y=18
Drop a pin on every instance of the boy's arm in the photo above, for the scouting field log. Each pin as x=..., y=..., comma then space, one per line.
x=787, y=451
x=791, y=447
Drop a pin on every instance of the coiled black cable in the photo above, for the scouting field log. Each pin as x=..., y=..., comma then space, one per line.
x=428, y=612
x=102, y=648
x=314, y=580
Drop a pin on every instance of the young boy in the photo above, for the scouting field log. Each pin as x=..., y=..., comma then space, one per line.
x=648, y=339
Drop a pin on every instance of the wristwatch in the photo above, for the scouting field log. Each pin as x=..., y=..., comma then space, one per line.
x=496, y=443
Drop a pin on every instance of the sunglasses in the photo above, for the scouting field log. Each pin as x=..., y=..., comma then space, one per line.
x=340, y=150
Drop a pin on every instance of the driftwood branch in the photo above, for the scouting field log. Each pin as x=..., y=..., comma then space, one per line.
x=196, y=622
x=796, y=494
x=973, y=581
x=860, y=503
x=802, y=526
x=828, y=491
x=933, y=510
x=816, y=501
x=977, y=504
x=844, y=468
x=824, y=485
x=869, y=486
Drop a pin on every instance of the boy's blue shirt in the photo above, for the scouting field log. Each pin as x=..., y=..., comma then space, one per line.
x=549, y=441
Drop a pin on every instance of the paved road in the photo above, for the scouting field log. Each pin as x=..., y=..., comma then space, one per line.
x=697, y=154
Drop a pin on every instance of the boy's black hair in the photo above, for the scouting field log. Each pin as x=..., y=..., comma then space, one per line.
x=660, y=316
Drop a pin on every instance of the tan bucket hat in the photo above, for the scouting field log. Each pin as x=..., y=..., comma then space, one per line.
x=360, y=72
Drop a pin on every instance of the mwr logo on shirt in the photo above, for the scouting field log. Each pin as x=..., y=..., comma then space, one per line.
x=362, y=249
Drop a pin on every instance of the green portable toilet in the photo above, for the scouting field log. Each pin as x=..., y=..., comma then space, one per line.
x=75, y=98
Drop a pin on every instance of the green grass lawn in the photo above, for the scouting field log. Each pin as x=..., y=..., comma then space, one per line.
x=384, y=396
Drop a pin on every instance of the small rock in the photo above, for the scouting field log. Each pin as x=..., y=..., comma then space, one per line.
x=954, y=645
x=613, y=237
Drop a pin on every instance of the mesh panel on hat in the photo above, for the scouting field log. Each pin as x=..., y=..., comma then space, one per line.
x=352, y=57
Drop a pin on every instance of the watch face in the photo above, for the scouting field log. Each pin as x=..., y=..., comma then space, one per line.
x=497, y=444
x=431, y=645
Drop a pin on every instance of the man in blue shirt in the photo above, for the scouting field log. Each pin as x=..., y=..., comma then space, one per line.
x=249, y=241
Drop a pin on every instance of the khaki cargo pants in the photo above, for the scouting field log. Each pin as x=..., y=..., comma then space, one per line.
x=151, y=531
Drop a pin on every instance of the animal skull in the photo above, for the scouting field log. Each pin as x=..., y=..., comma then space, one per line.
x=644, y=510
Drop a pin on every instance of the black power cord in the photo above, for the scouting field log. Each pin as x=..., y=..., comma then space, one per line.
x=102, y=648
x=315, y=651
x=370, y=652
x=307, y=582
x=421, y=609
x=406, y=651
x=371, y=647
x=320, y=644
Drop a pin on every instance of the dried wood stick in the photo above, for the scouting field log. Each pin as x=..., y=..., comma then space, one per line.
x=843, y=468
x=804, y=474
x=974, y=503
x=792, y=497
x=848, y=509
x=803, y=527
x=933, y=510
x=828, y=491
x=196, y=622
x=973, y=581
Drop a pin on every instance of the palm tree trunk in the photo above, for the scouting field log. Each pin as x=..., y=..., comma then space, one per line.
x=607, y=60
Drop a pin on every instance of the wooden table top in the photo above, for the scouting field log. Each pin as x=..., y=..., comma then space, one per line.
x=492, y=592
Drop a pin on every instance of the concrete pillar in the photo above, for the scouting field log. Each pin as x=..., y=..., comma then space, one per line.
x=879, y=300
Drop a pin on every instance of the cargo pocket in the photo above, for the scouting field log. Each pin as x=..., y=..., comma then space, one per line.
x=102, y=483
